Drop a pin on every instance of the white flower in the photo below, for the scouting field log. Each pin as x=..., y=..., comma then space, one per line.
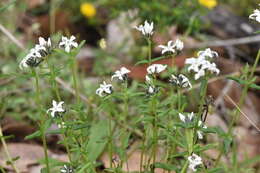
x=68, y=43
x=66, y=169
x=200, y=65
x=121, y=74
x=181, y=81
x=146, y=29
x=199, y=132
x=56, y=108
x=156, y=68
x=148, y=79
x=172, y=47
x=186, y=118
x=152, y=89
x=208, y=53
x=199, y=74
x=168, y=48
x=44, y=43
x=104, y=88
x=178, y=45
x=194, y=161
x=30, y=60
x=37, y=51
x=255, y=15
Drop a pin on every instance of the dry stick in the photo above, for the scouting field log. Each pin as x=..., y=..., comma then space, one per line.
x=7, y=152
x=11, y=37
x=229, y=42
x=233, y=102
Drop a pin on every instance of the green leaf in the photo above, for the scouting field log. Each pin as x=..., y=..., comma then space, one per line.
x=250, y=161
x=141, y=62
x=227, y=144
x=33, y=135
x=2, y=9
x=97, y=140
x=243, y=82
x=7, y=137
x=165, y=166
x=216, y=170
x=153, y=60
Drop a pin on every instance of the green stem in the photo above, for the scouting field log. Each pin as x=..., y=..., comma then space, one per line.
x=10, y=160
x=149, y=50
x=184, y=168
x=52, y=17
x=155, y=128
x=110, y=142
x=142, y=151
x=38, y=100
x=75, y=83
x=53, y=79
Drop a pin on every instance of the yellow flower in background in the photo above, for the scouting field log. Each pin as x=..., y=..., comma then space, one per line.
x=209, y=3
x=88, y=10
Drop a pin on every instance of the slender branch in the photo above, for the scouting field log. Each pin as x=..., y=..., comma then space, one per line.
x=229, y=42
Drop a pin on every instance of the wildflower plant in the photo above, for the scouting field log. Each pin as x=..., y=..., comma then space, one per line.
x=118, y=111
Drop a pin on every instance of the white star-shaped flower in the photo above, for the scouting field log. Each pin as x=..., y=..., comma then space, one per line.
x=121, y=74
x=146, y=29
x=255, y=15
x=156, y=68
x=45, y=43
x=152, y=89
x=104, y=88
x=178, y=45
x=169, y=48
x=194, y=161
x=186, y=118
x=56, y=108
x=181, y=81
x=66, y=169
x=68, y=43
x=199, y=132
x=37, y=51
x=208, y=53
x=148, y=79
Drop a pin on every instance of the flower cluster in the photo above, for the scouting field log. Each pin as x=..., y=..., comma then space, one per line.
x=152, y=70
x=194, y=161
x=256, y=15
x=104, y=89
x=121, y=74
x=146, y=29
x=107, y=89
x=203, y=63
x=181, y=81
x=172, y=47
x=36, y=55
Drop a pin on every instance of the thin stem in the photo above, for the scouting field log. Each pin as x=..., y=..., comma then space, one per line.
x=52, y=17
x=110, y=142
x=149, y=51
x=53, y=81
x=38, y=100
x=155, y=128
x=75, y=75
x=10, y=160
